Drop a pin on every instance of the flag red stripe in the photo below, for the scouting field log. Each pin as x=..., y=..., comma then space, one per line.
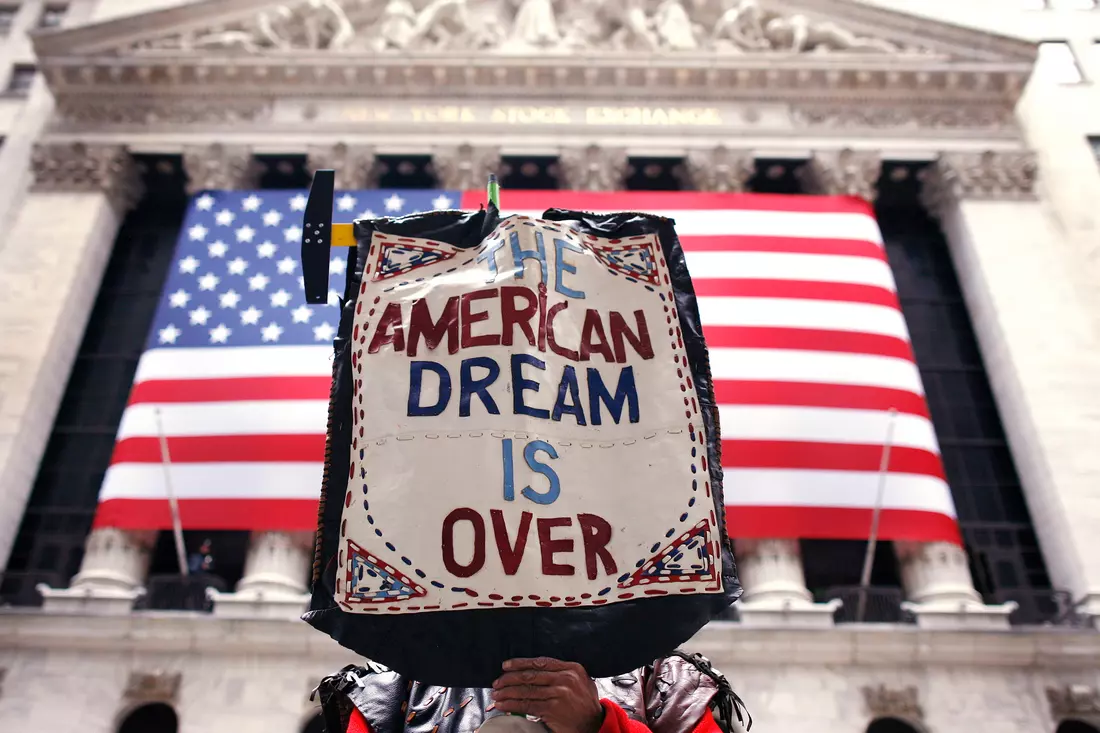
x=839, y=523
x=224, y=449
x=798, y=289
x=658, y=201
x=785, y=245
x=793, y=454
x=805, y=339
x=811, y=394
x=291, y=515
x=235, y=389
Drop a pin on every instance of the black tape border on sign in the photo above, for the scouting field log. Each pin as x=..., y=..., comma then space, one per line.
x=466, y=648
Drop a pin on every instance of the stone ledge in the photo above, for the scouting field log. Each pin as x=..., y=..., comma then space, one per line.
x=725, y=643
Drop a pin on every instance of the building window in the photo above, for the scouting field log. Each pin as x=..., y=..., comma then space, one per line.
x=1094, y=141
x=7, y=18
x=1006, y=562
x=1057, y=64
x=50, y=543
x=22, y=76
x=156, y=717
x=52, y=16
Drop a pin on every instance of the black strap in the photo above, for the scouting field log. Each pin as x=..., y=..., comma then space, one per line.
x=726, y=701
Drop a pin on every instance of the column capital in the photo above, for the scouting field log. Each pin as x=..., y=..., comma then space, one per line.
x=844, y=172
x=719, y=169
x=88, y=168
x=775, y=586
x=989, y=176
x=593, y=168
x=219, y=167
x=111, y=574
x=356, y=166
x=465, y=167
x=940, y=591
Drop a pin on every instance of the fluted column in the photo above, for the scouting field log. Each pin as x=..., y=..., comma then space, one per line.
x=51, y=264
x=842, y=173
x=593, y=168
x=218, y=167
x=465, y=167
x=940, y=591
x=720, y=169
x=355, y=166
x=111, y=574
x=274, y=581
x=775, y=586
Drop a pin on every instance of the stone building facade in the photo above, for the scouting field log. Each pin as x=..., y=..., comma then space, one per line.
x=930, y=111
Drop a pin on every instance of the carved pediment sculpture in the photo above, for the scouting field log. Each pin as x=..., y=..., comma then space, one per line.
x=529, y=26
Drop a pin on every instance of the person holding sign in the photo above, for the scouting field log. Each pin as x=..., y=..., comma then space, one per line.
x=677, y=694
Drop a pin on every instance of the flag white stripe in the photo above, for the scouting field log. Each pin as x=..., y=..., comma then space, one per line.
x=825, y=315
x=853, y=489
x=214, y=481
x=751, y=223
x=824, y=425
x=242, y=361
x=260, y=417
x=783, y=365
x=790, y=266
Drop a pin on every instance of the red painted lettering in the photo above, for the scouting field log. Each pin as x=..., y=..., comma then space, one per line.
x=550, y=340
x=469, y=318
x=421, y=324
x=597, y=534
x=551, y=547
x=511, y=316
x=388, y=330
x=594, y=338
x=510, y=555
x=448, y=542
x=640, y=341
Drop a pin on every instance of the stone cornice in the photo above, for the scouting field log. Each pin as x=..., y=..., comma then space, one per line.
x=85, y=168
x=880, y=645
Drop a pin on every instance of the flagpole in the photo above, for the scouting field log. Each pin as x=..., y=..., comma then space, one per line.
x=876, y=513
x=173, y=505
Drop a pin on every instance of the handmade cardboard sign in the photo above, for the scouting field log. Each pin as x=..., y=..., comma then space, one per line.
x=526, y=430
x=523, y=451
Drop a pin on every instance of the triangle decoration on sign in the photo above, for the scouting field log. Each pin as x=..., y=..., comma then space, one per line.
x=370, y=580
x=690, y=558
x=637, y=261
x=397, y=257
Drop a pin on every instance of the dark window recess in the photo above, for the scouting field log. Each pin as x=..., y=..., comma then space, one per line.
x=215, y=559
x=316, y=724
x=50, y=542
x=776, y=175
x=53, y=15
x=1076, y=726
x=157, y=717
x=994, y=518
x=1094, y=141
x=833, y=567
x=655, y=174
x=536, y=173
x=7, y=18
x=406, y=171
x=283, y=171
x=891, y=725
x=22, y=77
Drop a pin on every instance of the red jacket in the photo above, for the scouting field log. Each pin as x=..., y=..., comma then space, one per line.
x=615, y=721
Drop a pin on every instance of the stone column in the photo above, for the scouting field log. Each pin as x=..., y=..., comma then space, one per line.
x=720, y=169
x=775, y=586
x=842, y=173
x=274, y=582
x=594, y=168
x=940, y=591
x=355, y=166
x=465, y=167
x=51, y=264
x=218, y=167
x=111, y=575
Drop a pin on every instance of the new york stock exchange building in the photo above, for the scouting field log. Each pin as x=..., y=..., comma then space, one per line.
x=136, y=129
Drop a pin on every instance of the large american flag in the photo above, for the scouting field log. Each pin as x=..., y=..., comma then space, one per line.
x=808, y=347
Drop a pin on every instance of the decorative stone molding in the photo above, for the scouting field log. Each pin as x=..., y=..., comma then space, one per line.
x=988, y=176
x=111, y=575
x=842, y=173
x=219, y=167
x=355, y=166
x=720, y=169
x=146, y=687
x=887, y=702
x=940, y=591
x=106, y=106
x=931, y=116
x=88, y=168
x=465, y=167
x=593, y=168
x=1069, y=701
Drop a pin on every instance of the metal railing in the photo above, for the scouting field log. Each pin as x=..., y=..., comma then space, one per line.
x=1041, y=607
x=879, y=604
x=21, y=588
x=171, y=592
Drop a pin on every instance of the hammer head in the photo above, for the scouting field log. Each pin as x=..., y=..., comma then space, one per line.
x=317, y=236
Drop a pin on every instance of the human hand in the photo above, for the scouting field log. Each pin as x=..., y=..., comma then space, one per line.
x=561, y=694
